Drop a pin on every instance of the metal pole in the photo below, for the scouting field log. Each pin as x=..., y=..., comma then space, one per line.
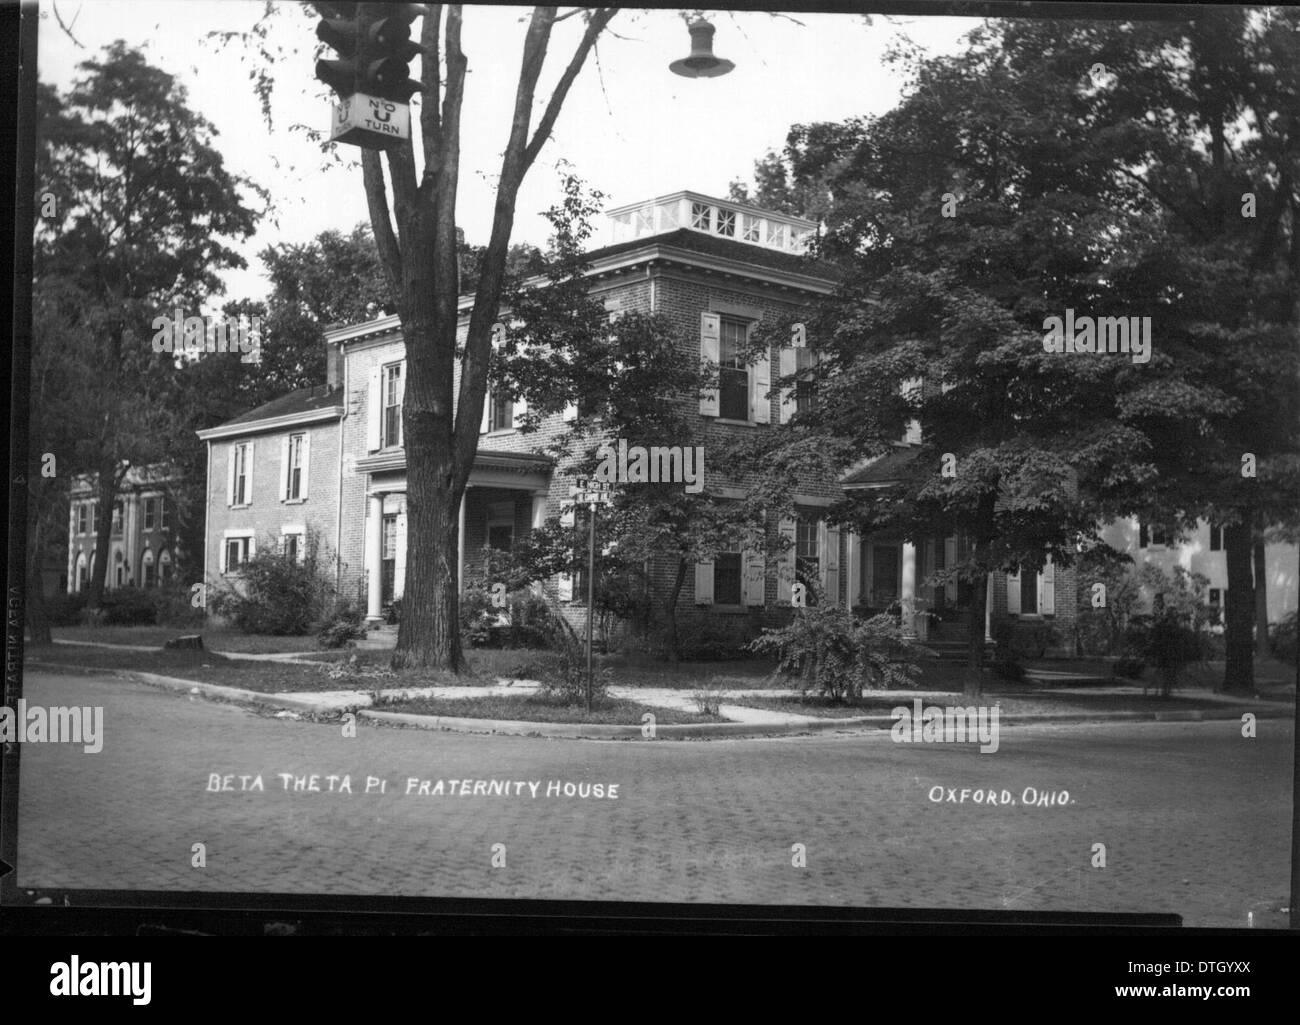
x=591, y=584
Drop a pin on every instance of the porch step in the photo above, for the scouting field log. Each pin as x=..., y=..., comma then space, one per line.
x=948, y=650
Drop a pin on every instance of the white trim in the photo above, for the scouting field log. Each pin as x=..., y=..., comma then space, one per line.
x=311, y=416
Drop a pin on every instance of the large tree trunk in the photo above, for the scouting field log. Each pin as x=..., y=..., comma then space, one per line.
x=105, y=495
x=1261, y=600
x=1239, y=611
x=670, y=612
x=38, y=620
x=974, y=683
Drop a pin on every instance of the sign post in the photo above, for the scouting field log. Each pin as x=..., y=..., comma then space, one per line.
x=591, y=493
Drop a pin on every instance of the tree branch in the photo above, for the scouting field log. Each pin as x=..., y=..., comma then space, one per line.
x=594, y=28
x=431, y=70
x=390, y=254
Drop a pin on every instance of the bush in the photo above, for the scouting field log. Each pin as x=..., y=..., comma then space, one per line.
x=565, y=678
x=1282, y=638
x=128, y=606
x=65, y=609
x=276, y=594
x=393, y=613
x=341, y=626
x=709, y=640
x=825, y=648
x=1020, y=639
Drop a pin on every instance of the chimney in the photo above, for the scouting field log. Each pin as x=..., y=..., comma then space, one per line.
x=333, y=366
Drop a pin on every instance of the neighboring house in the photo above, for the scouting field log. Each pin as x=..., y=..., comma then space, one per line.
x=273, y=474
x=1202, y=552
x=143, y=540
x=712, y=267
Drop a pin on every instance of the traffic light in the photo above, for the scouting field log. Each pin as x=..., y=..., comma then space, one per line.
x=374, y=41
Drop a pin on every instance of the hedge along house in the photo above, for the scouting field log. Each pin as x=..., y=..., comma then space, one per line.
x=714, y=268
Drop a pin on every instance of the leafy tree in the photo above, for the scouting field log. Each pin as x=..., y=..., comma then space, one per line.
x=145, y=216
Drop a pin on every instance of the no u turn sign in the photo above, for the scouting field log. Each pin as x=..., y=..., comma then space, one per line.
x=370, y=122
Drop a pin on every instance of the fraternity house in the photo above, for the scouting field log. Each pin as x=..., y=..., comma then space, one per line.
x=331, y=459
x=143, y=539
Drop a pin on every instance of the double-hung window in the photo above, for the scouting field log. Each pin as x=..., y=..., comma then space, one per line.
x=807, y=555
x=392, y=403
x=727, y=578
x=293, y=468
x=733, y=370
x=240, y=491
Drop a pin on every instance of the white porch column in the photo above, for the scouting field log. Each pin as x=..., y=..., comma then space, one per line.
x=539, y=520
x=854, y=556
x=988, y=610
x=908, y=595
x=375, y=560
x=460, y=545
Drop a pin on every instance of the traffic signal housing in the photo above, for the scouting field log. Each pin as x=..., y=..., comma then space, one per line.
x=374, y=42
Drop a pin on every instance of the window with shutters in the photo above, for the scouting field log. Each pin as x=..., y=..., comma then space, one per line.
x=733, y=370
x=1028, y=593
x=150, y=513
x=727, y=578
x=807, y=556
x=237, y=553
x=293, y=468
x=83, y=517
x=391, y=430
x=293, y=547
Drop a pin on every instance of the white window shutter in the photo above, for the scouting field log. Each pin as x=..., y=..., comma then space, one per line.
x=248, y=473
x=399, y=568
x=760, y=405
x=230, y=477
x=830, y=558
x=306, y=464
x=913, y=433
x=520, y=408
x=564, y=582
x=487, y=413
x=787, y=365
x=785, y=565
x=1013, y=593
x=1047, y=589
x=753, y=567
x=225, y=556
x=252, y=546
x=570, y=412
x=710, y=341
x=286, y=452
x=853, y=553
x=374, y=411
x=950, y=560
x=704, y=583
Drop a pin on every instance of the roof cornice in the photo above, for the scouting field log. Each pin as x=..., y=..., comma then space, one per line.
x=307, y=416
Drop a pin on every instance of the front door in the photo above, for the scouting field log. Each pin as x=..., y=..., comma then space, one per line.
x=388, y=566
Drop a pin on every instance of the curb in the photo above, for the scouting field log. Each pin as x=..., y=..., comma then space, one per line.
x=601, y=731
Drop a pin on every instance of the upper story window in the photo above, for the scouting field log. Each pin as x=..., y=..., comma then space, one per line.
x=700, y=216
x=83, y=516
x=805, y=391
x=1216, y=537
x=119, y=513
x=241, y=491
x=726, y=222
x=94, y=517
x=776, y=234
x=293, y=485
x=752, y=231
x=392, y=406
x=733, y=370
x=501, y=412
x=1149, y=534
x=164, y=513
x=151, y=513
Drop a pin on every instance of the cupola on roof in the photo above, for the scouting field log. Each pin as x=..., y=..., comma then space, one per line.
x=711, y=216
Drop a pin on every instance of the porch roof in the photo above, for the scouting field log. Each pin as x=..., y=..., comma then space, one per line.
x=883, y=471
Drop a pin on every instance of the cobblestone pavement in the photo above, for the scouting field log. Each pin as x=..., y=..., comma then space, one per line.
x=1195, y=819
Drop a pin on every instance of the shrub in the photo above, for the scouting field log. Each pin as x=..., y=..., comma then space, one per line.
x=709, y=700
x=341, y=626
x=565, y=678
x=709, y=640
x=1019, y=639
x=825, y=648
x=276, y=594
x=128, y=606
x=476, y=615
x=1282, y=638
x=66, y=609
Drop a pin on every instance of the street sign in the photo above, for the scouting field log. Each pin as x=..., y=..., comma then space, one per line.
x=586, y=491
x=370, y=121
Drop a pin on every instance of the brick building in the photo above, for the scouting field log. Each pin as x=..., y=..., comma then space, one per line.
x=143, y=548
x=332, y=458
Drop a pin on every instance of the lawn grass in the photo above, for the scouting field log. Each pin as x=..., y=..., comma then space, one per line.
x=541, y=708
x=214, y=639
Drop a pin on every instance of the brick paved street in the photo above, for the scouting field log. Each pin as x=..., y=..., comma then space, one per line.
x=1195, y=819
